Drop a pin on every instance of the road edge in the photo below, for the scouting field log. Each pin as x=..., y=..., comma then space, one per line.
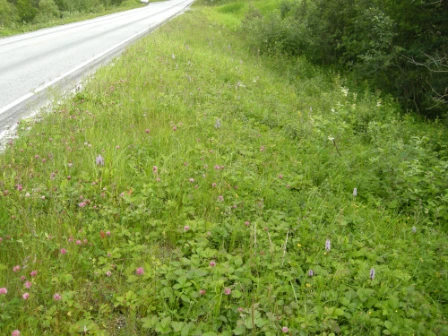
x=33, y=103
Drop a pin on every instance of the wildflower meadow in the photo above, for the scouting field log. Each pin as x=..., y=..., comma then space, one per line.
x=196, y=187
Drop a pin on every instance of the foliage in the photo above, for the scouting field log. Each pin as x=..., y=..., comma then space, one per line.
x=191, y=187
x=399, y=46
x=8, y=13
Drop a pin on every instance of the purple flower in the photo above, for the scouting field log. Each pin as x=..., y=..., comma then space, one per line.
x=285, y=330
x=227, y=291
x=220, y=198
x=327, y=245
x=63, y=251
x=212, y=263
x=139, y=271
x=99, y=160
x=57, y=297
x=372, y=273
x=310, y=273
x=33, y=273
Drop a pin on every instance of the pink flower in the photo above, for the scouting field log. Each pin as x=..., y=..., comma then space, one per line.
x=174, y=128
x=192, y=180
x=147, y=130
x=240, y=309
x=202, y=291
x=78, y=242
x=63, y=251
x=212, y=263
x=220, y=198
x=107, y=233
x=33, y=273
x=15, y=333
x=285, y=330
x=22, y=278
x=213, y=185
x=3, y=291
x=154, y=169
x=227, y=291
x=19, y=187
x=262, y=149
x=108, y=273
x=57, y=297
x=139, y=271
x=82, y=204
x=247, y=223
x=280, y=176
x=28, y=284
x=26, y=296
x=16, y=268
x=186, y=228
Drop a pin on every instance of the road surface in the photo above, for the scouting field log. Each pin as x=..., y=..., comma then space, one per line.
x=31, y=63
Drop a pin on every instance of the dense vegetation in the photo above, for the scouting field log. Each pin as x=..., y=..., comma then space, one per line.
x=197, y=188
x=399, y=46
x=24, y=15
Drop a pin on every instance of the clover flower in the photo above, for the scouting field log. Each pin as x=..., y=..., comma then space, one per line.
x=99, y=160
x=139, y=271
x=372, y=273
x=327, y=245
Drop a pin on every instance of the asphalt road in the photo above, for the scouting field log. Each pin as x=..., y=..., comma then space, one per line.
x=32, y=62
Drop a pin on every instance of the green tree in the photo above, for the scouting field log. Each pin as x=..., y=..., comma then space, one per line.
x=8, y=13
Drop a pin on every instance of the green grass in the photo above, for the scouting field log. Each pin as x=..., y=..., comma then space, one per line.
x=259, y=193
x=68, y=18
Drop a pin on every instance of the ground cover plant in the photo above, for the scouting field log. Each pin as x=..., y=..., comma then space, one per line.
x=196, y=188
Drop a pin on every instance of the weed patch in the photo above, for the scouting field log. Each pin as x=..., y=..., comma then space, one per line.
x=194, y=188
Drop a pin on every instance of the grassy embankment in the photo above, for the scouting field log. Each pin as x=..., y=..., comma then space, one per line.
x=68, y=18
x=224, y=204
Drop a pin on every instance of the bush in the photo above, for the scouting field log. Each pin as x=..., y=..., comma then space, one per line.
x=47, y=11
x=8, y=13
x=400, y=47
